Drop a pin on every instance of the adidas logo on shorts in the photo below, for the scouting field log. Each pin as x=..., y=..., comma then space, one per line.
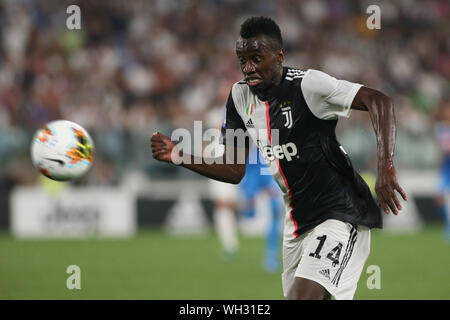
x=325, y=273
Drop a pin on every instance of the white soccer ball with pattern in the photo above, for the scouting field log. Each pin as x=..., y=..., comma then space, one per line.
x=62, y=150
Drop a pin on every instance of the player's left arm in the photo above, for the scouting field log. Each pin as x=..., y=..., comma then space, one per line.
x=381, y=111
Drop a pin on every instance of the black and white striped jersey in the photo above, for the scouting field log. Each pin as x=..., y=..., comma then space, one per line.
x=295, y=132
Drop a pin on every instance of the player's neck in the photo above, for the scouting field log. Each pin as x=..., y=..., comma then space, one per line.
x=272, y=90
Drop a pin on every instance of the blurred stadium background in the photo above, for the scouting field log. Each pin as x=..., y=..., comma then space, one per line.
x=140, y=229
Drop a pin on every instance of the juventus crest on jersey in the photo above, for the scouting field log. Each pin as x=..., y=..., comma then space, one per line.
x=294, y=131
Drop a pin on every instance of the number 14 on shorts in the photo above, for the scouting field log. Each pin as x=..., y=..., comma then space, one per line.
x=333, y=255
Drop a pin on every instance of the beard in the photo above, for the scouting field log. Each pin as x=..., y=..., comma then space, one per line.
x=258, y=89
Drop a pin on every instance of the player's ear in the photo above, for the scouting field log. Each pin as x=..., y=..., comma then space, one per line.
x=280, y=56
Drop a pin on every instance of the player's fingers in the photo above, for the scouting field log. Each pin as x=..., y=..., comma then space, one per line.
x=160, y=137
x=383, y=206
x=380, y=196
x=161, y=154
x=160, y=141
x=389, y=201
x=157, y=145
x=402, y=193
x=156, y=148
x=381, y=202
x=159, y=148
x=392, y=206
x=394, y=198
x=156, y=137
x=384, y=200
x=158, y=154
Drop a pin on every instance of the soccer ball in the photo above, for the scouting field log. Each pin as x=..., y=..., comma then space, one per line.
x=62, y=150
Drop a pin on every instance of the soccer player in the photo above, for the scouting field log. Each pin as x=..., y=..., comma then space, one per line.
x=291, y=115
x=225, y=213
x=442, y=133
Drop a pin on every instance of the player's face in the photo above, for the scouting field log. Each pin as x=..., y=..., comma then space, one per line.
x=260, y=63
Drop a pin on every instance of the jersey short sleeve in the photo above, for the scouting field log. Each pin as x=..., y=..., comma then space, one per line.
x=326, y=96
x=233, y=131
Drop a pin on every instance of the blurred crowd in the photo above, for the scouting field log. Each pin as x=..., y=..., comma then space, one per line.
x=139, y=66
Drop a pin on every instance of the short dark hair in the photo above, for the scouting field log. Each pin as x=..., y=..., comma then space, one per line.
x=256, y=26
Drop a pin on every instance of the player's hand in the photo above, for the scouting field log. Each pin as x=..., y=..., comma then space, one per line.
x=385, y=187
x=163, y=149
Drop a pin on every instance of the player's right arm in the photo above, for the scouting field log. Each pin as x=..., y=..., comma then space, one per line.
x=226, y=168
x=229, y=167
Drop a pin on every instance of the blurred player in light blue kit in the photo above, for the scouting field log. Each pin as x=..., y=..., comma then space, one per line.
x=442, y=132
x=258, y=179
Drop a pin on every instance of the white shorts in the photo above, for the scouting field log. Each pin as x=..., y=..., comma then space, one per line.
x=332, y=254
x=221, y=191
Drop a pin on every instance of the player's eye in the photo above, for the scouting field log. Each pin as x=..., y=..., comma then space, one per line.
x=241, y=60
x=256, y=59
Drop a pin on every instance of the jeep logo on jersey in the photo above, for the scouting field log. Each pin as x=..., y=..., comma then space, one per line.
x=280, y=151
